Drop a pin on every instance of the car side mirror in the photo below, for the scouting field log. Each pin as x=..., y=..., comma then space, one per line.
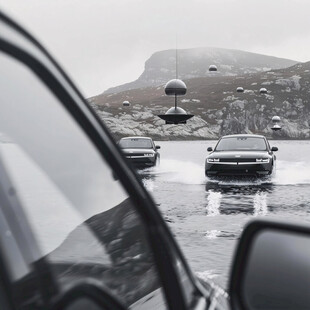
x=209, y=149
x=157, y=147
x=274, y=149
x=271, y=268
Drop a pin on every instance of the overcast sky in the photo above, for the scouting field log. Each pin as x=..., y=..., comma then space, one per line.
x=104, y=43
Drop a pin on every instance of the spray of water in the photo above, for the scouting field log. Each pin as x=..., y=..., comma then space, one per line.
x=148, y=184
x=260, y=204
x=213, y=203
x=212, y=234
x=178, y=171
x=187, y=172
x=292, y=173
x=208, y=274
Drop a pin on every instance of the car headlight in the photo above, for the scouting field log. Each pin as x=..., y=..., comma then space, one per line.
x=262, y=160
x=213, y=160
x=149, y=155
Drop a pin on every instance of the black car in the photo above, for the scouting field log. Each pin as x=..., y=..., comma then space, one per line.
x=241, y=155
x=140, y=151
x=75, y=237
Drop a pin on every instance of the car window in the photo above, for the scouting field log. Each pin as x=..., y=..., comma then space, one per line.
x=241, y=144
x=83, y=220
x=135, y=143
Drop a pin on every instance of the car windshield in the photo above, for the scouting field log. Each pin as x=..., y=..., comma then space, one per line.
x=242, y=144
x=135, y=143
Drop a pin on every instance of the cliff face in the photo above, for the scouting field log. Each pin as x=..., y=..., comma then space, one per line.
x=217, y=107
x=193, y=63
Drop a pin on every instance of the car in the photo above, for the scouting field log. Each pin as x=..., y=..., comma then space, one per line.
x=140, y=151
x=78, y=230
x=241, y=155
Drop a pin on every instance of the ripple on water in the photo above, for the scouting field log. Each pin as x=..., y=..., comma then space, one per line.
x=214, y=234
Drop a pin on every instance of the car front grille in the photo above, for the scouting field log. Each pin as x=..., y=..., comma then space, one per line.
x=238, y=160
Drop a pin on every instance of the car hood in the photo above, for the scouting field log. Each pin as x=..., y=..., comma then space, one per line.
x=239, y=154
x=137, y=151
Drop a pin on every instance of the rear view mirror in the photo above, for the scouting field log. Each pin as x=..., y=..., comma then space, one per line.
x=209, y=149
x=157, y=147
x=271, y=269
x=274, y=149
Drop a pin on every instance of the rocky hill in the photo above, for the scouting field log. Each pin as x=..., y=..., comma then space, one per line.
x=195, y=62
x=218, y=108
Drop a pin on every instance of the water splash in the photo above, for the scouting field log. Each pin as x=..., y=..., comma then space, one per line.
x=207, y=274
x=212, y=234
x=187, y=172
x=292, y=173
x=177, y=171
x=213, y=203
x=260, y=204
x=148, y=184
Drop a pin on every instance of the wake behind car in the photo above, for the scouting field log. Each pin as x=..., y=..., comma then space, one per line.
x=140, y=151
x=241, y=155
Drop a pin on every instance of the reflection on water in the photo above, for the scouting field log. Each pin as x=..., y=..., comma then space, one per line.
x=207, y=217
x=213, y=203
x=260, y=204
x=244, y=196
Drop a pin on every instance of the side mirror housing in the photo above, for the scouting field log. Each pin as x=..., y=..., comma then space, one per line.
x=157, y=147
x=271, y=268
x=209, y=149
x=274, y=149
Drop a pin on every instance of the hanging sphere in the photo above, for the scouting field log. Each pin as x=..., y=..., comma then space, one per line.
x=126, y=103
x=276, y=119
x=276, y=127
x=175, y=116
x=212, y=68
x=175, y=87
x=176, y=110
x=263, y=90
x=240, y=90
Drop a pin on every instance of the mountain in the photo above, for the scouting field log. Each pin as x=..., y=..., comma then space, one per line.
x=217, y=107
x=195, y=62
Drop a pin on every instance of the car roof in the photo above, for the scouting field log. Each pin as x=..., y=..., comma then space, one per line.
x=244, y=135
x=136, y=138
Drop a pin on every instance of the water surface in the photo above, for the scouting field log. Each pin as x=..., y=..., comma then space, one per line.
x=207, y=218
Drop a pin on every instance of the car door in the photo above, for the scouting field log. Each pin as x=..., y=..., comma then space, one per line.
x=75, y=211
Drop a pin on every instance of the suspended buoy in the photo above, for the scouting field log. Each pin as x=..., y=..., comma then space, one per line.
x=126, y=103
x=276, y=127
x=212, y=68
x=276, y=119
x=176, y=115
x=240, y=90
x=263, y=91
x=175, y=87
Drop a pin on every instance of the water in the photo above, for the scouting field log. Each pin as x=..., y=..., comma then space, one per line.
x=207, y=218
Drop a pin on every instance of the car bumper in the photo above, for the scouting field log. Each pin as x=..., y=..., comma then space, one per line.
x=142, y=161
x=254, y=169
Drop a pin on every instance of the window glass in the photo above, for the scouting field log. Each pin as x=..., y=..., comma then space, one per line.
x=241, y=144
x=82, y=218
x=135, y=143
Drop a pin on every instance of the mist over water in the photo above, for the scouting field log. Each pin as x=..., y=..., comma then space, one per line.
x=292, y=172
x=208, y=217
